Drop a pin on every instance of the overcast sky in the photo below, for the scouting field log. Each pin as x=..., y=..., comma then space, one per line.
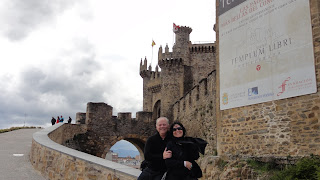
x=58, y=55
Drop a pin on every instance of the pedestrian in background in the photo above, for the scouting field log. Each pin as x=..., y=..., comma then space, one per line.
x=53, y=121
x=69, y=120
x=61, y=119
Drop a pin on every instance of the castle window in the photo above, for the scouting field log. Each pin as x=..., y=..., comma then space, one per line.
x=156, y=110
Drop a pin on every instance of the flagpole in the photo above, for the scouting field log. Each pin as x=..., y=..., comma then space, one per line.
x=151, y=57
x=172, y=36
x=152, y=52
x=152, y=44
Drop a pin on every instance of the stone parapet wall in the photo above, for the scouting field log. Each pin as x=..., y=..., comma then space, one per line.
x=55, y=161
x=66, y=132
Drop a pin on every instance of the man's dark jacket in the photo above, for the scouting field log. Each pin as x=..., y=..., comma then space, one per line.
x=153, y=152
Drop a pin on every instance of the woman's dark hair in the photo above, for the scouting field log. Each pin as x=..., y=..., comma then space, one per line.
x=179, y=123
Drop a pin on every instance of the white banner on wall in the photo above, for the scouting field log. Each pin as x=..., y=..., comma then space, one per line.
x=265, y=51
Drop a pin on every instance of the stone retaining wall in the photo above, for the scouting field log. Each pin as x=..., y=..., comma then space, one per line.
x=55, y=161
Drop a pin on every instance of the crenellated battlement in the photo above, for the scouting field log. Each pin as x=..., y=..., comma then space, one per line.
x=164, y=55
x=190, y=100
x=184, y=29
x=202, y=48
x=144, y=72
x=171, y=62
x=147, y=72
x=104, y=110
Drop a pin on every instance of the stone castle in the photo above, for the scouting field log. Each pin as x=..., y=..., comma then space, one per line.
x=181, y=70
x=187, y=89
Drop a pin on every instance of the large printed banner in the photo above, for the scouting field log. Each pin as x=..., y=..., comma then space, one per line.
x=265, y=51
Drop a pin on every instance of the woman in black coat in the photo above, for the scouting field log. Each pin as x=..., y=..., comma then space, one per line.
x=185, y=150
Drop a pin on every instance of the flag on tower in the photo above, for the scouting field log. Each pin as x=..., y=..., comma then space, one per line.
x=153, y=43
x=175, y=27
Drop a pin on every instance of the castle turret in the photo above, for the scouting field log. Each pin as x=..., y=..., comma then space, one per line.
x=146, y=75
x=181, y=70
x=181, y=46
x=151, y=84
x=166, y=49
x=160, y=53
x=182, y=36
x=172, y=84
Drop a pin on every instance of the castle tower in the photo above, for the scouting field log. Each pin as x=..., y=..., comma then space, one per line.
x=174, y=71
x=182, y=43
x=172, y=84
x=181, y=70
x=147, y=95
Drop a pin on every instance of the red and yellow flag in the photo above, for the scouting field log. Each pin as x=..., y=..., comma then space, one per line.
x=153, y=43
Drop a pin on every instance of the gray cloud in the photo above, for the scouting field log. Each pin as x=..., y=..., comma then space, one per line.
x=20, y=17
x=64, y=85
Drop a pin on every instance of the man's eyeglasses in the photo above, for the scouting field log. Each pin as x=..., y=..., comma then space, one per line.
x=178, y=128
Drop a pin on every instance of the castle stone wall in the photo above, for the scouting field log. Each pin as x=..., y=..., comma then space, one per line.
x=196, y=111
x=172, y=85
x=80, y=118
x=104, y=130
x=202, y=61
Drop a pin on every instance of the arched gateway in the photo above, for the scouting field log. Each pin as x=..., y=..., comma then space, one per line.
x=104, y=130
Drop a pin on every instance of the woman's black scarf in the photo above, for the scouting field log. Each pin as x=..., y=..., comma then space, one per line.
x=193, y=146
x=196, y=144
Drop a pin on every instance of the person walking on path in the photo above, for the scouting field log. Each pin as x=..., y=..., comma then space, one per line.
x=69, y=120
x=61, y=119
x=53, y=121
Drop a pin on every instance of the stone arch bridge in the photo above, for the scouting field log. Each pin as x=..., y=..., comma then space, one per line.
x=103, y=130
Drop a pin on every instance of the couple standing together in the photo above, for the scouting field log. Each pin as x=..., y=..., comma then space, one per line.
x=170, y=155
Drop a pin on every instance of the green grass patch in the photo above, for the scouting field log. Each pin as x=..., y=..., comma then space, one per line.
x=16, y=128
x=305, y=168
x=262, y=166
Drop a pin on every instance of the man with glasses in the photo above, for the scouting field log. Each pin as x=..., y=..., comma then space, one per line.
x=155, y=152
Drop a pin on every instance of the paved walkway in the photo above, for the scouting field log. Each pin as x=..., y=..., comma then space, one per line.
x=14, y=156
